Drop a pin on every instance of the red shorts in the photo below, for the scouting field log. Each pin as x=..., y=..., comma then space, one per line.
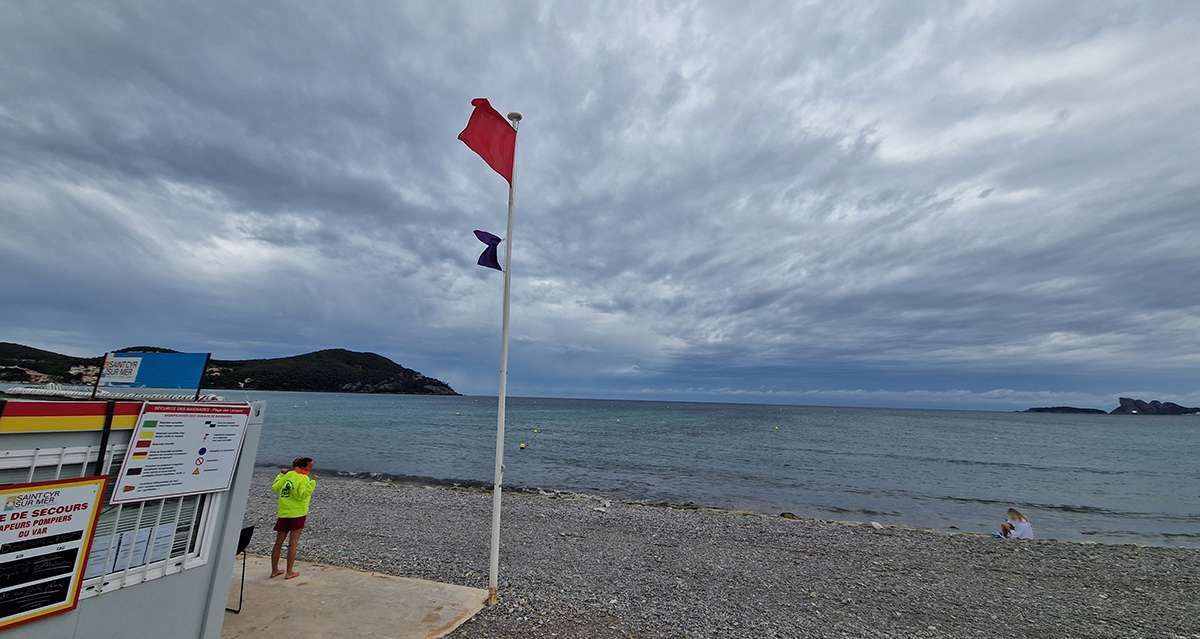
x=287, y=524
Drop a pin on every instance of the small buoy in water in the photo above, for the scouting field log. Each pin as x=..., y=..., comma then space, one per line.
x=536, y=429
x=522, y=445
x=776, y=428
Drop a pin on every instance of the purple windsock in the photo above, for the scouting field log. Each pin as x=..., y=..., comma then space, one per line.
x=488, y=256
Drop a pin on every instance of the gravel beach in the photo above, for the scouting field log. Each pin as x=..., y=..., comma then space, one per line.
x=571, y=567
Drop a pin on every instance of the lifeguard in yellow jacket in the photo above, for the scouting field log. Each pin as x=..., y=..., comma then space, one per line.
x=295, y=489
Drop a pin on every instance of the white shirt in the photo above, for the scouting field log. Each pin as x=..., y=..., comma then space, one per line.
x=1021, y=530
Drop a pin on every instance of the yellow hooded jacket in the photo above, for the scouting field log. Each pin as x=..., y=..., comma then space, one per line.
x=295, y=493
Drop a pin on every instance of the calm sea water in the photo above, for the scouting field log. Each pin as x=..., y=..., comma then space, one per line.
x=1115, y=479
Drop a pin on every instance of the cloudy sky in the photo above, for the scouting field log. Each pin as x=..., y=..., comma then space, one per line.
x=969, y=204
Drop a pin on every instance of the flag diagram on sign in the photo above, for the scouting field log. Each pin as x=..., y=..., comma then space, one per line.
x=182, y=449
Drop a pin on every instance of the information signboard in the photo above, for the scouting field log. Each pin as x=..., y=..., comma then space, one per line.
x=132, y=369
x=45, y=532
x=181, y=449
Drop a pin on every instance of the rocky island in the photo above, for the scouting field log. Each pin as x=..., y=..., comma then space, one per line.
x=1066, y=409
x=332, y=370
x=1128, y=406
x=1154, y=407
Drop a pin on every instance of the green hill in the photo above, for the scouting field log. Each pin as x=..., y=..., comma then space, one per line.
x=328, y=370
x=20, y=363
x=332, y=370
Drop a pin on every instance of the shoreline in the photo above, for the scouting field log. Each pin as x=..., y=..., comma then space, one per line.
x=581, y=565
x=486, y=486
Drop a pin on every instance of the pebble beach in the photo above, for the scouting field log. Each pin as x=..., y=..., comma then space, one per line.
x=589, y=566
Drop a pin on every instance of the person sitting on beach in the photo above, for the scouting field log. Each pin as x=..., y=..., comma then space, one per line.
x=295, y=489
x=1017, y=526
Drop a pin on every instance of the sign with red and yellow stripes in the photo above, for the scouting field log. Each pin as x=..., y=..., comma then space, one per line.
x=44, y=417
x=45, y=534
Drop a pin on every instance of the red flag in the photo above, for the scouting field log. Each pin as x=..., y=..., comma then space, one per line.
x=492, y=137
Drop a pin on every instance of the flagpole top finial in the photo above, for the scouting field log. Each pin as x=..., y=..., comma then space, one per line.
x=514, y=116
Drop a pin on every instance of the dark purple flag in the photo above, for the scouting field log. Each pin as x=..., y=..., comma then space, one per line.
x=488, y=256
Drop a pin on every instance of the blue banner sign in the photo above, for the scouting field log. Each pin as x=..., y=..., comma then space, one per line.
x=153, y=370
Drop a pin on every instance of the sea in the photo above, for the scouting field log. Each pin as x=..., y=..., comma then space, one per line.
x=1099, y=478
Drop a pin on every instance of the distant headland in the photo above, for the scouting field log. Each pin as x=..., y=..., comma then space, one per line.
x=333, y=370
x=1066, y=409
x=1128, y=406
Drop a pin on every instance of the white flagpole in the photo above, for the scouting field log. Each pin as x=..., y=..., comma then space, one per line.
x=494, y=571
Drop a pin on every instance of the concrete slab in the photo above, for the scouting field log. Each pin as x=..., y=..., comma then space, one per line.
x=329, y=601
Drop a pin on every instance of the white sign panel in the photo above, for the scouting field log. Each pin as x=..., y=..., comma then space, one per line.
x=131, y=550
x=122, y=370
x=95, y=562
x=182, y=449
x=45, y=530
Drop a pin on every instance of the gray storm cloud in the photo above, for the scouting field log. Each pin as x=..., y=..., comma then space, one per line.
x=945, y=204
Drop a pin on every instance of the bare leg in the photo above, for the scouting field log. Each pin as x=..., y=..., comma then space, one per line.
x=293, y=545
x=279, y=537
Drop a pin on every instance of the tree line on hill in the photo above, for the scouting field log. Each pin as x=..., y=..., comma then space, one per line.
x=330, y=370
